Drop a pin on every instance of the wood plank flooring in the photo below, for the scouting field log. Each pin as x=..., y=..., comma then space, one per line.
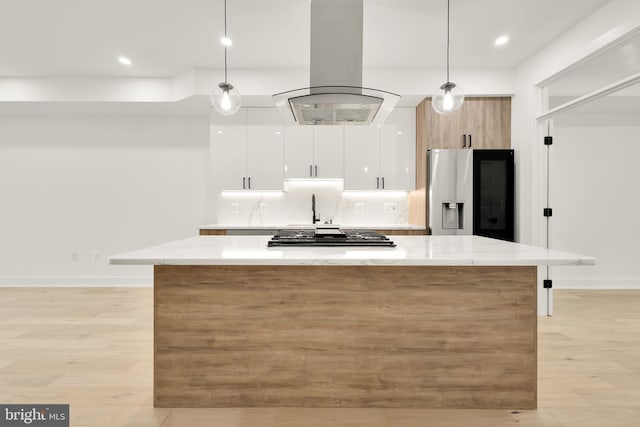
x=93, y=348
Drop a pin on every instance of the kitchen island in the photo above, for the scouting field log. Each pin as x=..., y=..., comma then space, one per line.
x=436, y=322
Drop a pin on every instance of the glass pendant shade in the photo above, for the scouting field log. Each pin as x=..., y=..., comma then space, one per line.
x=225, y=99
x=447, y=98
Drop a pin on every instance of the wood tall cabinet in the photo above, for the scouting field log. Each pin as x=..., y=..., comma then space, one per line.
x=487, y=121
x=484, y=123
x=480, y=123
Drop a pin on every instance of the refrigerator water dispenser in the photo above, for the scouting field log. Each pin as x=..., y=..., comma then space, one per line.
x=452, y=215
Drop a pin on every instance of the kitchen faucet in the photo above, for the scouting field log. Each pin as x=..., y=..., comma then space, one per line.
x=314, y=219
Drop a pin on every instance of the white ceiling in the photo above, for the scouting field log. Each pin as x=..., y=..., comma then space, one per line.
x=164, y=38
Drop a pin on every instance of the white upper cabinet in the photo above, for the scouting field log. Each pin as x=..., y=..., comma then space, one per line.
x=362, y=157
x=328, y=151
x=313, y=152
x=253, y=150
x=298, y=152
x=265, y=140
x=382, y=158
x=229, y=150
x=247, y=150
x=398, y=150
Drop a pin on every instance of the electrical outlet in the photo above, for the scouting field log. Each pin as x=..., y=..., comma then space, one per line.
x=359, y=208
x=234, y=208
x=75, y=256
x=96, y=255
x=389, y=207
x=263, y=207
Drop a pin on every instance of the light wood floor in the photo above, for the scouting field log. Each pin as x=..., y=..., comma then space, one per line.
x=92, y=348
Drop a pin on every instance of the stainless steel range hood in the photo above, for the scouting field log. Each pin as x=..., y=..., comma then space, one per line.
x=336, y=95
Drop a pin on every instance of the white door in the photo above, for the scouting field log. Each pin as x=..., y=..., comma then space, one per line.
x=265, y=139
x=298, y=152
x=362, y=158
x=398, y=150
x=328, y=149
x=229, y=150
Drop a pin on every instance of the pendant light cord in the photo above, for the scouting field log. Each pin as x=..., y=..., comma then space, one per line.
x=447, y=39
x=225, y=36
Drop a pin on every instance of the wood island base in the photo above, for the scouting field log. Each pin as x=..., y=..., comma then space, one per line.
x=345, y=336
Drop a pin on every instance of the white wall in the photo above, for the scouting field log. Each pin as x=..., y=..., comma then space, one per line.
x=96, y=182
x=596, y=204
x=602, y=27
x=598, y=30
x=293, y=206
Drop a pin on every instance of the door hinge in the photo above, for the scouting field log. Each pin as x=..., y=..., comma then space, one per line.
x=547, y=212
x=547, y=284
x=548, y=140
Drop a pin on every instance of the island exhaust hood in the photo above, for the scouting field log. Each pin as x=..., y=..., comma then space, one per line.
x=336, y=95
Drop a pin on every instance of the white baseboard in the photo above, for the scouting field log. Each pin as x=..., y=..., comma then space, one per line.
x=597, y=283
x=76, y=281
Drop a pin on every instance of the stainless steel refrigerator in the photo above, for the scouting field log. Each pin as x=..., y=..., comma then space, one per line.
x=471, y=192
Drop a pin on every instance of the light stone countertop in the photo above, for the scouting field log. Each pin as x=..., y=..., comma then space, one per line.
x=410, y=250
x=301, y=226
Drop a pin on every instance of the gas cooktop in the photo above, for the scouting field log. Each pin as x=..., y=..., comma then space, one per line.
x=329, y=237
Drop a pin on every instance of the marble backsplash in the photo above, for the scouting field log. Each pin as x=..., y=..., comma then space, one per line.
x=293, y=206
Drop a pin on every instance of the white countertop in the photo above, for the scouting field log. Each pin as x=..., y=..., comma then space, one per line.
x=410, y=250
x=300, y=226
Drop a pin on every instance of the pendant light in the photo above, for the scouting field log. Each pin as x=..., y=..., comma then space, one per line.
x=449, y=96
x=225, y=99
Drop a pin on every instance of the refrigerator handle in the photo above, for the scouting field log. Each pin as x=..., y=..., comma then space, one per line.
x=378, y=182
x=383, y=182
x=244, y=183
x=464, y=141
x=469, y=140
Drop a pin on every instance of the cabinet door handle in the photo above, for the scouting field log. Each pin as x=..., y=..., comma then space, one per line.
x=310, y=170
x=469, y=140
x=249, y=183
x=244, y=183
x=464, y=141
x=377, y=182
x=383, y=182
x=316, y=171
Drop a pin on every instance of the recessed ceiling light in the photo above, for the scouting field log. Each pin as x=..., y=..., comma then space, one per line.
x=225, y=41
x=124, y=60
x=501, y=41
x=399, y=132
